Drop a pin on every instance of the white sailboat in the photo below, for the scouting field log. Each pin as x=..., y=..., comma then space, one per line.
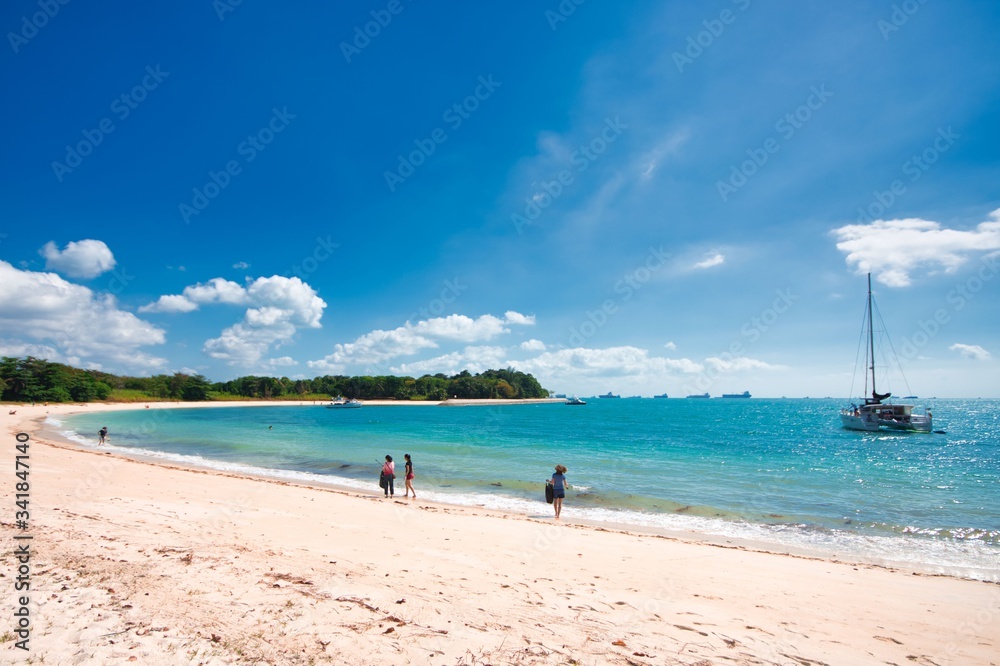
x=877, y=412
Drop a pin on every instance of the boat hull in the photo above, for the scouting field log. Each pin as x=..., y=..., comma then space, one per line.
x=898, y=418
x=852, y=422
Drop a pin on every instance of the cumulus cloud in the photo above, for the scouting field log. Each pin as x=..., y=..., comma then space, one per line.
x=473, y=359
x=170, y=303
x=714, y=260
x=279, y=307
x=380, y=346
x=80, y=259
x=671, y=346
x=42, y=312
x=609, y=362
x=894, y=249
x=216, y=290
x=533, y=345
x=975, y=352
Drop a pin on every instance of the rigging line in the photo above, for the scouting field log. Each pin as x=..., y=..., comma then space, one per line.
x=898, y=367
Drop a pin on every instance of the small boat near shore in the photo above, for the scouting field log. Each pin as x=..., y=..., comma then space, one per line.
x=343, y=403
x=877, y=412
x=575, y=401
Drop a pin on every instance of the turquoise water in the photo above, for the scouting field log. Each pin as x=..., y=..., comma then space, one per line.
x=778, y=471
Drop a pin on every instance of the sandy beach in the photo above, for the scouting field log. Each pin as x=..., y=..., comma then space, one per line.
x=132, y=561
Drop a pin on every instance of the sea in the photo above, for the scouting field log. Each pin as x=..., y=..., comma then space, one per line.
x=779, y=473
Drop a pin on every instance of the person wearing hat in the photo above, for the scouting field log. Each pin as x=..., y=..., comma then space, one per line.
x=559, y=486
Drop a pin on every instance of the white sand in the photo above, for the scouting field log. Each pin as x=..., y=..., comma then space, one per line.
x=146, y=563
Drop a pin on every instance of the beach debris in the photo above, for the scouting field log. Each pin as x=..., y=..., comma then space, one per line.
x=619, y=643
x=400, y=601
x=216, y=638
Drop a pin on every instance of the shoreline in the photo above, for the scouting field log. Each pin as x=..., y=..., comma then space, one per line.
x=893, y=552
x=122, y=548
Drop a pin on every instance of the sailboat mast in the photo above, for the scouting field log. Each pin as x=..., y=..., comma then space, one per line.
x=871, y=335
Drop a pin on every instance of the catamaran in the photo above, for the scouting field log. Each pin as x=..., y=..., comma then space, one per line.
x=343, y=403
x=876, y=413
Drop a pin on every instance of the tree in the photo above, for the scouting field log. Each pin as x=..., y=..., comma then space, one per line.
x=195, y=389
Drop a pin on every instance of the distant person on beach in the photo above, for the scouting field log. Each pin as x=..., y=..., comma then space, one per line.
x=389, y=472
x=409, y=477
x=103, y=432
x=559, y=485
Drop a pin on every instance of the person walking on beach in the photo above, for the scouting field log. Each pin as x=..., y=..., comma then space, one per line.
x=103, y=432
x=409, y=476
x=559, y=486
x=389, y=472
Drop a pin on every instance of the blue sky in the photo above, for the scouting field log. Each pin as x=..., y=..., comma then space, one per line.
x=635, y=197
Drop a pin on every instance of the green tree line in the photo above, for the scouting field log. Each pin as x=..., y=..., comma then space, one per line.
x=36, y=380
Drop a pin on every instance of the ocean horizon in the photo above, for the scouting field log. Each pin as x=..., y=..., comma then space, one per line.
x=782, y=473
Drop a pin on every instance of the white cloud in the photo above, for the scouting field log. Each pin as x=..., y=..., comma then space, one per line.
x=81, y=259
x=216, y=290
x=473, y=359
x=610, y=362
x=894, y=249
x=170, y=303
x=671, y=346
x=714, y=260
x=670, y=145
x=975, y=352
x=282, y=305
x=241, y=265
x=276, y=308
x=512, y=317
x=379, y=346
x=533, y=345
x=737, y=364
x=43, y=312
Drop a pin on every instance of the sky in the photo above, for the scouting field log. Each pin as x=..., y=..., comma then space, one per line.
x=633, y=197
